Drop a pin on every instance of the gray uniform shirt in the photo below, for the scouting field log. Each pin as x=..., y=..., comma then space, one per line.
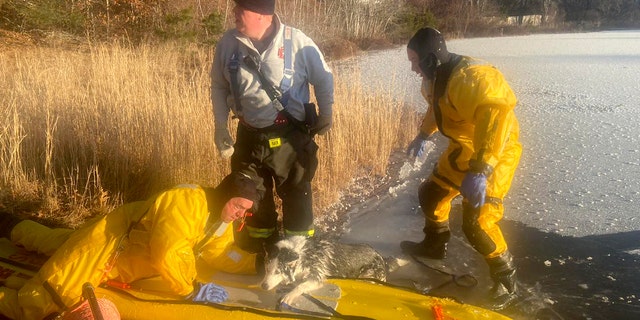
x=308, y=64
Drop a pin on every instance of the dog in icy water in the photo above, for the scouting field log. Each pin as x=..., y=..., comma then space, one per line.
x=305, y=263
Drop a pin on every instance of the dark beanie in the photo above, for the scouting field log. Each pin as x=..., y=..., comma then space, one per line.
x=429, y=40
x=232, y=186
x=238, y=185
x=258, y=6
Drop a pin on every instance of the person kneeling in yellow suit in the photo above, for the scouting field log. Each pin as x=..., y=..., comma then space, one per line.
x=163, y=236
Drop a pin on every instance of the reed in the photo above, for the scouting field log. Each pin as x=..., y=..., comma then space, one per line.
x=350, y=19
x=85, y=130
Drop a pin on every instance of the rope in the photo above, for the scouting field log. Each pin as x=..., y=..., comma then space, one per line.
x=321, y=305
x=465, y=280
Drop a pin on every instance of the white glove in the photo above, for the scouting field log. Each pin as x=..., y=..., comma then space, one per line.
x=223, y=141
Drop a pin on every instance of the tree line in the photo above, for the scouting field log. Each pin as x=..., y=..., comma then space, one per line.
x=360, y=21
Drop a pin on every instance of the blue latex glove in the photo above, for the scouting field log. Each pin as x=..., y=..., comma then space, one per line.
x=474, y=188
x=208, y=292
x=418, y=145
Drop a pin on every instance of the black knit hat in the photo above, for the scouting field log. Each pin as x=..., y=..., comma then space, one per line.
x=258, y=6
x=238, y=185
x=232, y=186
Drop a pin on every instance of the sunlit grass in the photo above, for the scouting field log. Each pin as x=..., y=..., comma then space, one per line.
x=82, y=131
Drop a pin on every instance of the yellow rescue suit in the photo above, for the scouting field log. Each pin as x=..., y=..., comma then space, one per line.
x=475, y=112
x=156, y=237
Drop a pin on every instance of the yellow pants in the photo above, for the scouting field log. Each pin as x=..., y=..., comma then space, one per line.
x=481, y=224
x=76, y=257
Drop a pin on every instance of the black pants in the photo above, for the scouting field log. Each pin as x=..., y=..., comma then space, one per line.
x=285, y=158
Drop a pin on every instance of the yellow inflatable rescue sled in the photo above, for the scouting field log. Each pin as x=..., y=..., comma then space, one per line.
x=337, y=299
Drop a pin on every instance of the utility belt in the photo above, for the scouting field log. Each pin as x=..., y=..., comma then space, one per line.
x=280, y=123
x=283, y=130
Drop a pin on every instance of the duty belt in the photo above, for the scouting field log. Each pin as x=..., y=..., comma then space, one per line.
x=279, y=123
x=274, y=127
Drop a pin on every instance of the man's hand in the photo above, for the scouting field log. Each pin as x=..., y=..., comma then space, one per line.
x=474, y=188
x=418, y=146
x=223, y=141
x=323, y=125
x=208, y=292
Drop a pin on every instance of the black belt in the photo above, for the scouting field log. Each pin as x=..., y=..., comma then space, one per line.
x=272, y=128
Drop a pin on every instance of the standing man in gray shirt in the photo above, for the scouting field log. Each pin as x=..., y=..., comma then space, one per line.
x=261, y=72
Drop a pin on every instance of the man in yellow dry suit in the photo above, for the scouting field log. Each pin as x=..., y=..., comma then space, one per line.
x=164, y=236
x=472, y=105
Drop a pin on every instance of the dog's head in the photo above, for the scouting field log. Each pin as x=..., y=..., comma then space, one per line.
x=282, y=262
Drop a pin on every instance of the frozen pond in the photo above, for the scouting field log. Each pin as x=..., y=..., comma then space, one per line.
x=571, y=218
x=578, y=111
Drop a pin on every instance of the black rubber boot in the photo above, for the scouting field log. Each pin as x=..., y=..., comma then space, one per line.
x=247, y=243
x=503, y=272
x=258, y=245
x=260, y=264
x=434, y=246
x=7, y=222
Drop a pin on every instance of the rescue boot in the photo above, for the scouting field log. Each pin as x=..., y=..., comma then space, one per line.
x=259, y=245
x=434, y=246
x=269, y=243
x=7, y=222
x=261, y=263
x=503, y=272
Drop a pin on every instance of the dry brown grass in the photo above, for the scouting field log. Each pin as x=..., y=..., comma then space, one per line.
x=83, y=131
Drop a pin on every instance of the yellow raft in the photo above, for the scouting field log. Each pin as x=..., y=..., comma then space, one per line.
x=337, y=299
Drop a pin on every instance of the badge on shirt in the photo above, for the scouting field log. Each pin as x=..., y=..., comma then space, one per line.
x=274, y=143
x=281, y=52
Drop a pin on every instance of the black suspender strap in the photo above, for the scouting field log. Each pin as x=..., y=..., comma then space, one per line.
x=274, y=93
x=234, y=68
x=442, y=79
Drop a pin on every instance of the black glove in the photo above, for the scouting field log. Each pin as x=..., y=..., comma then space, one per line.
x=323, y=125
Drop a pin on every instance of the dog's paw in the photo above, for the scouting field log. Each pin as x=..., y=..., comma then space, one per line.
x=282, y=289
x=289, y=298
